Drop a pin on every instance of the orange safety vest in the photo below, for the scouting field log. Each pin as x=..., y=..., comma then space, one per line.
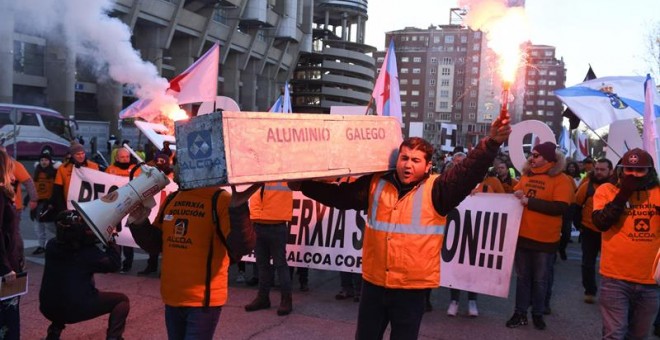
x=403, y=237
x=63, y=175
x=631, y=244
x=272, y=204
x=188, y=230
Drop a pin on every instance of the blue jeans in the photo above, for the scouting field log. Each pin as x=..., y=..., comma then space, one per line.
x=271, y=243
x=191, y=323
x=628, y=309
x=531, y=280
x=403, y=309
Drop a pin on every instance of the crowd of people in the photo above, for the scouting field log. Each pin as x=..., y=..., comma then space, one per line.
x=614, y=208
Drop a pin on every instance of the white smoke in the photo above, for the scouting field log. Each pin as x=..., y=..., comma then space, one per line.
x=85, y=27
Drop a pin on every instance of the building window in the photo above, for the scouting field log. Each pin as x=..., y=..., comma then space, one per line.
x=471, y=116
x=549, y=53
x=542, y=82
x=473, y=93
x=404, y=103
x=446, y=71
x=463, y=39
x=414, y=93
x=417, y=59
x=474, y=81
x=436, y=40
x=543, y=72
x=415, y=81
x=434, y=60
x=431, y=105
x=432, y=82
x=444, y=93
x=459, y=82
x=477, y=34
x=531, y=72
x=540, y=102
x=528, y=112
x=475, y=70
x=445, y=116
x=458, y=105
x=447, y=61
x=529, y=82
x=429, y=115
x=403, y=92
x=403, y=81
x=475, y=58
x=404, y=59
x=473, y=105
x=414, y=115
x=431, y=94
x=449, y=39
x=549, y=123
x=459, y=93
x=457, y=116
x=432, y=70
x=404, y=70
x=539, y=112
x=541, y=92
x=550, y=103
x=535, y=53
x=552, y=73
x=28, y=58
x=414, y=104
x=476, y=47
x=444, y=82
x=380, y=60
x=549, y=113
x=443, y=105
x=552, y=82
x=417, y=70
x=529, y=102
x=414, y=38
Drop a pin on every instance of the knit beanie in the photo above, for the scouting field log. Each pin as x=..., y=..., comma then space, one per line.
x=75, y=148
x=547, y=151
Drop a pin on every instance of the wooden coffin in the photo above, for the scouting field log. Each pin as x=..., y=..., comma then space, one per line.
x=223, y=148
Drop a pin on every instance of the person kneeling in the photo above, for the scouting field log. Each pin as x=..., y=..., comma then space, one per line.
x=68, y=294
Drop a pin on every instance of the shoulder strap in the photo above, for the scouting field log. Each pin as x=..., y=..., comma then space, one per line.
x=591, y=190
x=168, y=199
x=216, y=219
x=209, y=258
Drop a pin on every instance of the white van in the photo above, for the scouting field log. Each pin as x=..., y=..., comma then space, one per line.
x=34, y=130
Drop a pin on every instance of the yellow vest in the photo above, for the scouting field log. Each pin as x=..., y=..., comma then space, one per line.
x=403, y=237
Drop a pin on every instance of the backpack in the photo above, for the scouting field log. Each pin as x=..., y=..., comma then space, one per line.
x=241, y=238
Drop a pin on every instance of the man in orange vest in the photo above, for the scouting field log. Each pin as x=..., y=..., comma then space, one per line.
x=545, y=193
x=591, y=236
x=63, y=176
x=122, y=167
x=403, y=237
x=271, y=209
x=627, y=214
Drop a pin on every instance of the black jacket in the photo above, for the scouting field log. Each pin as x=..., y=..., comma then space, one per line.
x=449, y=190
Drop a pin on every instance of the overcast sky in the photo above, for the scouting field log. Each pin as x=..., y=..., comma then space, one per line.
x=610, y=35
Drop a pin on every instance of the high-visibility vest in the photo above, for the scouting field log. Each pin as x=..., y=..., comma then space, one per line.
x=272, y=204
x=403, y=237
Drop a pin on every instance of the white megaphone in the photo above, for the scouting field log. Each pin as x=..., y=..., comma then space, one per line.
x=103, y=214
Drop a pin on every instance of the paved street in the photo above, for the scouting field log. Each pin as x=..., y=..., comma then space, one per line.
x=316, y=314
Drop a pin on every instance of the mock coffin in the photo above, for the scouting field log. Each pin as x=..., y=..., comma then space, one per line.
x=224, y=148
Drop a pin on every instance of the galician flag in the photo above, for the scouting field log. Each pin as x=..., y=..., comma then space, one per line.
x=601, y=101
x=283, y=102
x=386, y=91
x=650, y=132
x=198, y=83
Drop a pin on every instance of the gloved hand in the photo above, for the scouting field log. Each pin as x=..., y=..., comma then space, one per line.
x=139, y=215
x=627, y=185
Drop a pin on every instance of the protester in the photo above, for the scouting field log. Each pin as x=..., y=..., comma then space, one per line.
x=406, y=210
x=11, y=249
x=587, y=166
x=351, y=286
x=68, y=293
x=162, y=162
x=504, y=175
x=271, y=209
x=627, y=214
x=20, y=176
x=44, y=177
x=572, y=171
x=60, y=195
x=591, y=236
x=122, y=167
x=194, y=266
x=545, y=194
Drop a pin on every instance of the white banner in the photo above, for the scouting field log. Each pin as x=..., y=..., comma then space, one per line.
x=325, y=238
x=88, y=185
x=480, y=244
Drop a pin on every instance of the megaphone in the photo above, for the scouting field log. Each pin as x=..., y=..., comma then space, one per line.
x=103, y=214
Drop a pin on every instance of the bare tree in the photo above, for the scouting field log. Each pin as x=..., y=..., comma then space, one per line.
x=652, y=58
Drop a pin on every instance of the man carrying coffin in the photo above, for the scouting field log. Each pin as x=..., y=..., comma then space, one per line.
x=405, y=228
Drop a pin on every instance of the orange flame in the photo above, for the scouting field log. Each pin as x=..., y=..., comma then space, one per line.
x=173, y=112
x=506, y=30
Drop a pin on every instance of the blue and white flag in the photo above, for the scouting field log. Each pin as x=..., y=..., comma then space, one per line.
x=601, y=101
x=283, y=102
x=566, y=144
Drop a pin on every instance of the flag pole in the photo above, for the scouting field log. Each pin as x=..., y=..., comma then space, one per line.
x=601, y=138
x=371, y=99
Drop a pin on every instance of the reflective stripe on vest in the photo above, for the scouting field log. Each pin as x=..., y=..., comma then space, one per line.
x=414, y=227
x=278, y=186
